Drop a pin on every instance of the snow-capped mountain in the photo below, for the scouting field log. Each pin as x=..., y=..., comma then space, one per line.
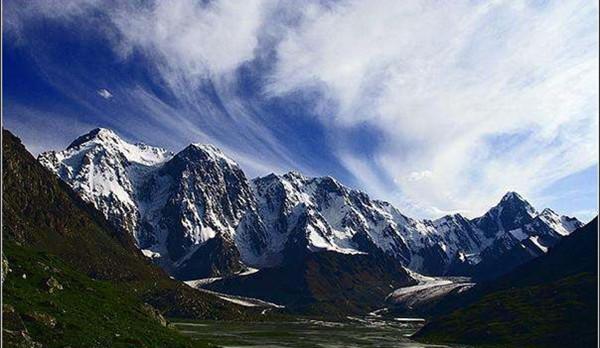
x=192, y=212
x=515, y=233
x=200, y=210
x=327, y=214
x=197, y=214
x=107, y=171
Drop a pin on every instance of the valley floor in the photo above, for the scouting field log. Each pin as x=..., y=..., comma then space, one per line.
x=307, y=333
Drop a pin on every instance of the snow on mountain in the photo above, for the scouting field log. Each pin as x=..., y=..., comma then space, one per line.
x=346, y=220
x=536, y=240
x=197, y=214
x=563, y=225
x=515, y=233
x=172, y=204
x=207, y=196
x=336, y=218
x=517, y=217
x=107, y=171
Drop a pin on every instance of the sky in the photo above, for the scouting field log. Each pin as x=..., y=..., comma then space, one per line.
x=436, y=107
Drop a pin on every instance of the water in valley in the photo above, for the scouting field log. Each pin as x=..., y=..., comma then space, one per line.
x=304, y=333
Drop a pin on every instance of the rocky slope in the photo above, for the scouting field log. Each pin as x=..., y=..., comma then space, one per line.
x=326, y=283
x=187, y=211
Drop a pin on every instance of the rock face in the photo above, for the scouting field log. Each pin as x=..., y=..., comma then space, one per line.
x=321, y=214
x=195, y=209
x=187, y=211
x=52, y=285
x=197, y=215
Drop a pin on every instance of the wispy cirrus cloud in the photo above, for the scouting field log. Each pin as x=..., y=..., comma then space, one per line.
x=192, y=40
x=481, y=96
x=191, y=50
x=462, y=100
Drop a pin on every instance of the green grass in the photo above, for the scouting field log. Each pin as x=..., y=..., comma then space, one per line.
x=88, y=312
x=558, y=314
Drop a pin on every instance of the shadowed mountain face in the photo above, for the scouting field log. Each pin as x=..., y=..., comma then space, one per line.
x=548, y=302
x=50, y=232
x=323, y=283
x=197, y=215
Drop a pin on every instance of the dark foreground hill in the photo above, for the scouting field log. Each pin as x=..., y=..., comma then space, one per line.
x=548, y=302
x=323, y=283
x=70, y=279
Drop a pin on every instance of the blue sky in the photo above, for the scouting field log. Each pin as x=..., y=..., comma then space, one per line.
x=435, y=107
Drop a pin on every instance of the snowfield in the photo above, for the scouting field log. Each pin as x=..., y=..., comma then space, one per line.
x=428, y=289
x=239, y=300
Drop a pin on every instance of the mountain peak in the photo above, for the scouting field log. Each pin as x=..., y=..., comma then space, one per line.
x=515, y=202
x=294, y=174
x=104, y=140
x=513, y=198
x=102, y=134
x=101, y=131
x=209, y=151
x=512, y=195
x=208, y=148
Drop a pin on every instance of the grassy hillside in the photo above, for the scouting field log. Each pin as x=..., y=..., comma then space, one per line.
x=45, y=221
x=548, y=302
x=57, y=306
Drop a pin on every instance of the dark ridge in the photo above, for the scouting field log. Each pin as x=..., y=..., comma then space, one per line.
x=85, y=138
x=550, y=301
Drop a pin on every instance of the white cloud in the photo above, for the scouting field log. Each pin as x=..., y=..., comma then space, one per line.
x=417, y=176
x=192, y=39
x=488, y=96
x=188, y=39
x=187, y=43
x=470, y=98
x=104, y=93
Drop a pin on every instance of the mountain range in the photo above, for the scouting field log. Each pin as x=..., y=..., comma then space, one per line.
x=196, y=214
